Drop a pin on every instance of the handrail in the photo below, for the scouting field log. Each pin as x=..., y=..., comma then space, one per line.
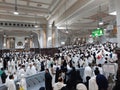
x=31, y=79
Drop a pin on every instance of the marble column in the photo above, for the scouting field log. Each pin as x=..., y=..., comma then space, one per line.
x=44, y=36
x=41, y=38
x=55, y=42
x=31, y=41
x=117, y=4
x=4, y=43
x=38, y=35
x=49, y=36
x=53, y=36
x=8, y=43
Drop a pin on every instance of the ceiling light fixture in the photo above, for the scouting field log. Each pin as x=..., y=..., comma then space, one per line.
x=36, y=24
x=100, y=17
x=98, y=28
x=105, y=29
x=4, y=44
x=112, y=7
x=66, y=31
x=15, y=13
x=101, y=22
x=113, y=13
x=16, y=9
x=66, y=18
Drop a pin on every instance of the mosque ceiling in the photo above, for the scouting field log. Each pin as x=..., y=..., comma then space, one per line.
x=78, y=15
x=86, y=16
x=26, y=8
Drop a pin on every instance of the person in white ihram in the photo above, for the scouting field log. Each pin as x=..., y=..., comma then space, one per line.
x=23, y=82
x=10, y=83
x=59, y=84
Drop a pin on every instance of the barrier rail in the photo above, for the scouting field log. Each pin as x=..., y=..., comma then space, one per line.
x=34, y=82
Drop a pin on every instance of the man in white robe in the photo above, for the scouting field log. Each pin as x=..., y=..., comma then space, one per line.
x=31, y=70
x=87, y=72
x=21, y=71
x=114, y=57
x=9, y=66
x=59, y=84
x=92, y=82
x=99, y=57
x=23, y=83
x=75, y=60
x=34, y=71
x=10, y=83
x=13, y=66
x=1, y=63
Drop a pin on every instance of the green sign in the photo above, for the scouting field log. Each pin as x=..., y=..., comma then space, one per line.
x=97, y=32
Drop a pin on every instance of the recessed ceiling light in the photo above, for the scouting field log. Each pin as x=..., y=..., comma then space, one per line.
x=98, y=28
x=36, y=26
x=16, y=13
x=66, y=31
x=101, y=23
x=4, y=44
x=113, y=13
x=63, y=43
x=16, y=9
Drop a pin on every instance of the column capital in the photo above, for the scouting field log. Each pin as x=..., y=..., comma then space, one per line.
x=50, y=25
x=4, y=36
x=31, y=36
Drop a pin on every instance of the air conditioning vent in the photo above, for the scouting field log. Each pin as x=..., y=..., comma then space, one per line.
x=6, y=24
x=16, y=24
x=21, y=25
x=10, y=24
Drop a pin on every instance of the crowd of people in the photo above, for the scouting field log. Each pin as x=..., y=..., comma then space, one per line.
x=62, y=72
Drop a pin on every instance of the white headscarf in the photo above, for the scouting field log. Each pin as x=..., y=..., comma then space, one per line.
x=81, y=86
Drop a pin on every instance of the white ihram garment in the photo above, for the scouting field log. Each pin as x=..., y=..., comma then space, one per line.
x=11, y=84
x=92, y=83
x=23, y=82
x=87, y=72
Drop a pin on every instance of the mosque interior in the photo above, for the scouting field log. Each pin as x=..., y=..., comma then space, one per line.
x=43, y=26
x=54, y=23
